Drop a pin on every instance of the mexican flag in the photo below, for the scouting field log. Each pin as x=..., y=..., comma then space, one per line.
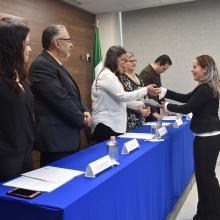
x=97, y=56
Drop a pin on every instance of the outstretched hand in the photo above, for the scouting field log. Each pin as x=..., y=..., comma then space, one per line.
x=157, y=116
x=153, y=89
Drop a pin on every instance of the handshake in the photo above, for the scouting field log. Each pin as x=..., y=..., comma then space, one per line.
x=153, y=90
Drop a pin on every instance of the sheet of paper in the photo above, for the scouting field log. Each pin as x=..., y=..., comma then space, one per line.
x=156, y=140
x=33, y=184
x=169, y=118
x=151, y=102
x=154, y=123
x=146, y=136
x=53, y=174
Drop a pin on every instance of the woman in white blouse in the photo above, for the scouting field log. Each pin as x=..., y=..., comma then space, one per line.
x=109, y=100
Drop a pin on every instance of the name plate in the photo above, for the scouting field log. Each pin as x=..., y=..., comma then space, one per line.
x=178, y=123
x=130, y=146
x=98, y=166
x=162, y=131
x=189, y=116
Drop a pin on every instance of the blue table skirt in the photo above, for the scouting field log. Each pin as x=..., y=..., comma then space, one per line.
x=145, y=186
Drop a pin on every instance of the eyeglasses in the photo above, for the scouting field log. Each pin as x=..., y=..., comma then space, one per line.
x=65, y=39
x=131, y=61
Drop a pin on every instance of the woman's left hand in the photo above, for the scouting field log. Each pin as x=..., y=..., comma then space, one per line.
x=153, y=89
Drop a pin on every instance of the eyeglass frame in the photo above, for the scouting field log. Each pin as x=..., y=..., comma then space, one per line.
x=65, y=39
x=131, y=61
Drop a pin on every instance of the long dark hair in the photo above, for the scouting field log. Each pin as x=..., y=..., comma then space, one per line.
x=12, y=38
x=113, y=53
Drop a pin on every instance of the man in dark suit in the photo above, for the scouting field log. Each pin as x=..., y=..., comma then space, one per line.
x=151, y=75
x=60, y=113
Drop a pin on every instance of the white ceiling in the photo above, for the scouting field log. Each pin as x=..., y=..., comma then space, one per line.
x=106, y=6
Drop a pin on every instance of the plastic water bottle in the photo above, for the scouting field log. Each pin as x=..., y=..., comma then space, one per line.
x=112, y=150
x=158, y=126
x=179, y=116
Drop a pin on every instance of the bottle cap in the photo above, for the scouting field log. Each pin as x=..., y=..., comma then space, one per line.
x=112, y=138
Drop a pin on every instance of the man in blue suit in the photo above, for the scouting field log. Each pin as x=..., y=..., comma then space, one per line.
x=60, y=113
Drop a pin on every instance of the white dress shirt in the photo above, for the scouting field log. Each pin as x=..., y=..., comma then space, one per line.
x=109, y=101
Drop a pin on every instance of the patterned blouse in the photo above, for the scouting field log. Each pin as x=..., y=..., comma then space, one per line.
x=134, y=118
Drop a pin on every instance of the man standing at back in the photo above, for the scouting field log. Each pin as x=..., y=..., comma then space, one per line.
x=151, y=75
x=60, y=113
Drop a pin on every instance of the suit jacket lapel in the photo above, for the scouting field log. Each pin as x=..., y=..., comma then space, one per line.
x=62, y=70
x=69, y=77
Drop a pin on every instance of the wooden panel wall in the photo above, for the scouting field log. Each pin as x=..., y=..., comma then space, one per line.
x=80, y=24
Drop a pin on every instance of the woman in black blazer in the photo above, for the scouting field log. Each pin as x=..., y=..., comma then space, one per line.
x=16, y=102
x=203, y=102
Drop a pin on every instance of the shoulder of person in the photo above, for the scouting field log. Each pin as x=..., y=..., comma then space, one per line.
x=147, y=70
x=204, y=87
x=41, y=63
x=5, y=88
x=144, y=70
x=3, y=84
x=107, y=74
x=40, y=60
x=41, y=70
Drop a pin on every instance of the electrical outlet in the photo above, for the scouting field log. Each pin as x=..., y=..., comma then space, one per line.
x=88, y=57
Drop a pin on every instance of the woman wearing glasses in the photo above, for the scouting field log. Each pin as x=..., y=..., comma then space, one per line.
x=131, y=81
x=16, y=101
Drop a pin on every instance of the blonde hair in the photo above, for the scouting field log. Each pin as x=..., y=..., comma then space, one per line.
x=128, y=56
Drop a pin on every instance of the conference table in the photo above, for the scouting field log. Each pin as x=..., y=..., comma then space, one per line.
x=145, y=186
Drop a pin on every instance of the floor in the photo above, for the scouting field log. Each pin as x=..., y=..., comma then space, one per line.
x=189, y=207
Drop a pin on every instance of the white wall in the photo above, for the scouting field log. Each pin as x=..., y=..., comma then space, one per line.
x=109, y=31
x=183, y=31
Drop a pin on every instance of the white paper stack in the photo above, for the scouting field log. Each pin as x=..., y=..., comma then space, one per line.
x=45, y=179
x=146, y=136
x=154, y=123
x=169, y=118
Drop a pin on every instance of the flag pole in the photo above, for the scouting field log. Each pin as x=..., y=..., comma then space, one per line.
x=97, y=23
x=97, y=54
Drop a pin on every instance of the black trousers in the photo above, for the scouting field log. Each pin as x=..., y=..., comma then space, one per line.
x=103, y=133
x=206, y=150
x=12, y=165
x=49, y=157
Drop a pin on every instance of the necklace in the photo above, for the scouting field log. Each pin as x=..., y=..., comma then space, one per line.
x=133, y=77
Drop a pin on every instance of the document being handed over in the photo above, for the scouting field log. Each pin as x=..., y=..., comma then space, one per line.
x=152, y=102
